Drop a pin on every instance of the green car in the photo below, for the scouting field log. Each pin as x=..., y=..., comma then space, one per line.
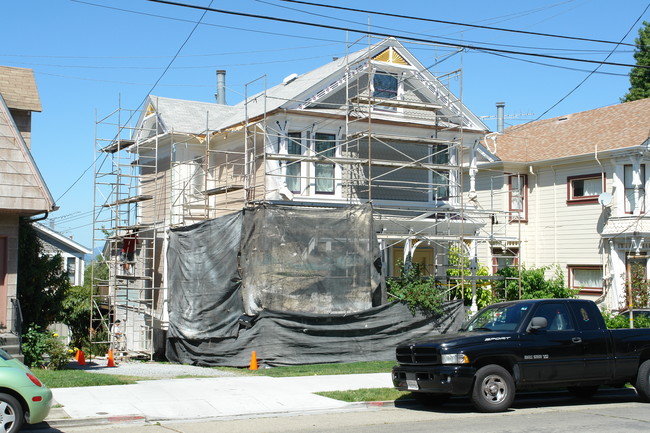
x=23, y=398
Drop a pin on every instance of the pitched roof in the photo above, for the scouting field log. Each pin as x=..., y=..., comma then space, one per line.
x=57, y=240
x=190, y=116
x=18, y=88
x=22, y=188
x=608, y=128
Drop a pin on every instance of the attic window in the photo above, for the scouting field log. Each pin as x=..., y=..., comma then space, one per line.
x=390, y=55
x=150, y=110
x=385, y=85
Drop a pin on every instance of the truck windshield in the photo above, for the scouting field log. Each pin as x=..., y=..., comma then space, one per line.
x=498, y=317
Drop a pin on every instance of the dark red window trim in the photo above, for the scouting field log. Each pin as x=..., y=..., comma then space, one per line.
x=585, y=290
x=585, y=199
x=514, y=218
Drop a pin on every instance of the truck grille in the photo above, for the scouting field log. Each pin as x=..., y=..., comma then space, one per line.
x=417, y=355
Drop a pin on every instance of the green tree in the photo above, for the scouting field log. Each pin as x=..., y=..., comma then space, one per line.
x=640, y=77
x=75, y=312
x=534, y=284
x=42, y=282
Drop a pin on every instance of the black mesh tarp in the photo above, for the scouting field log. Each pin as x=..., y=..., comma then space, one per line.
x=283, y=338
x=295, y=285
x=203, y=279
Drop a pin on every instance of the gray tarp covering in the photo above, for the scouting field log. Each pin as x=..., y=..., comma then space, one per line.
x=294, y=339
x=309, y=260
x=203, y=279
x=310, y=286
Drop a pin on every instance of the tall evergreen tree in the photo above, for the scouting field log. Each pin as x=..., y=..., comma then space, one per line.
x=640, y=77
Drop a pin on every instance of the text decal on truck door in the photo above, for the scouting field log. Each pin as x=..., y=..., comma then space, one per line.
x=545, y=356
x=497, y=338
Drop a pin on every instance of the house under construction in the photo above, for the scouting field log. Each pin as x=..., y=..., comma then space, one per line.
x=298, y=200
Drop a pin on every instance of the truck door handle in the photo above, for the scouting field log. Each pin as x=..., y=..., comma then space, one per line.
x=576, y=340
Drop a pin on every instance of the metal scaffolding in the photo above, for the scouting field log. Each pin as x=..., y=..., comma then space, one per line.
x=151, y=180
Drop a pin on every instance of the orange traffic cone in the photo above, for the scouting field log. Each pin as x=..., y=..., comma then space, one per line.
x=253, y=365
x=81, y=359
x=111, y=361
x=76, y=355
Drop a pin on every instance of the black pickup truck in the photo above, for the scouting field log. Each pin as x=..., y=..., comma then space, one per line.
x=532, y=344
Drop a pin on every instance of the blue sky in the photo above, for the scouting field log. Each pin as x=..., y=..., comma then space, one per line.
x=91, y=56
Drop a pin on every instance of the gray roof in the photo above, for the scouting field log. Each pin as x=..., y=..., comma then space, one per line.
x=190, y=116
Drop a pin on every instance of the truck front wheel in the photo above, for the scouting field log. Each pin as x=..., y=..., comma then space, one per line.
x=642, y=383
x=494, y=389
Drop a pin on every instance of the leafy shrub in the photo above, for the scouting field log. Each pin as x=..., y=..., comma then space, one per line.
x=419, y=293
x=617, y=321
x=534, y=284
x=459, y=265
x=44, y=349
x=100, y=349
x=75, y=312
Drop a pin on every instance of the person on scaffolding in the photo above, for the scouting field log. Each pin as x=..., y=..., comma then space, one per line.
x=128, y=251
x=117, y=336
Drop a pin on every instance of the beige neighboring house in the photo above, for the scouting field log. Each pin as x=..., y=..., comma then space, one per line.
x=23, y=192
x=574, y=188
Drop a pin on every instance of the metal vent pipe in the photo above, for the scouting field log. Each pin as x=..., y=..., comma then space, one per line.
x=500, y=115
x=221, y=87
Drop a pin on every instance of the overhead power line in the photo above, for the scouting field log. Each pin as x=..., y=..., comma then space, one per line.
x=407, y=38
x=476, y=26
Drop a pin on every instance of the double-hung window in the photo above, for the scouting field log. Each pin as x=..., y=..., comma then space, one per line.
x=518, y=195
x=632, y=197
x=440, y=179
x=293, y=171
x=324, y=147
x=584, y=189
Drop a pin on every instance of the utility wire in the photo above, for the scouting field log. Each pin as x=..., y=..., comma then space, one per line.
x=409, y=17
x=147, y=94
x=409, y=38
x=598, y=67
x=411, y=33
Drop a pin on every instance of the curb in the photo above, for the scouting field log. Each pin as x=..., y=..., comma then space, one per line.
x=125, y=419
x=81, y=422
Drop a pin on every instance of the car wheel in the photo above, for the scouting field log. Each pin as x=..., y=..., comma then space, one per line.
x=642, y=383
x=494, y=389
x=11, y=414
x=431, y=399
x=583, y=391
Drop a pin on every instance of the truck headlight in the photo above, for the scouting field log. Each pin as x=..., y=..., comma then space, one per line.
x=455, y=358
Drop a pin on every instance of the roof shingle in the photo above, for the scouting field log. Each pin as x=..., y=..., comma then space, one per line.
x=613, y=127
x=18, y=88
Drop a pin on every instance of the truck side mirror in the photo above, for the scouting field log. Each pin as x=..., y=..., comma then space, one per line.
x=537, y=323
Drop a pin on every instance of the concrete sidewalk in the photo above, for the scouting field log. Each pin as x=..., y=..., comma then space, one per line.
x=204, y=398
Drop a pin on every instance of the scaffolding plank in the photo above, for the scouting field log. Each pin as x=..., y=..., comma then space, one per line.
x=396, y=103
x=129, y=200
x=117, y=145
x=223, y=189
x=402, y=138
